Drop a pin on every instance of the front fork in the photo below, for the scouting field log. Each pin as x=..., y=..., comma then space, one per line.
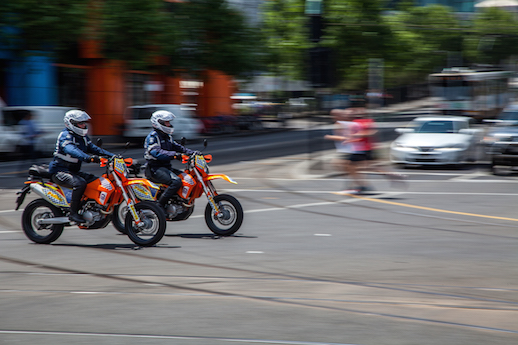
x=210, y=192
x=129, y=202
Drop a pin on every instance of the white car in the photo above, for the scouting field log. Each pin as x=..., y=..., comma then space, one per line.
x=436, y=140
x=48, y=119
x=138, y=125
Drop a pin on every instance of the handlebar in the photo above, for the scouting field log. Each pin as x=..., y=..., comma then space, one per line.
x=105, y=161
x=186, y=158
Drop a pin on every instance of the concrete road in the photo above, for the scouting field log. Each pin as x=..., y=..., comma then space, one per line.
x=432, y=263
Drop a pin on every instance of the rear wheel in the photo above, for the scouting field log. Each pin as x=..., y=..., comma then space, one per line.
x=119, y=216
x=230, y=218
x=152, y=227
x=34, y=213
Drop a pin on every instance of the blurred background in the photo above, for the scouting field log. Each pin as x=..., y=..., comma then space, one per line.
x=242, y=65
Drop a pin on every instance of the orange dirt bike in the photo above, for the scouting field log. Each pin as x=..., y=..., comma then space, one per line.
x=223, y=213
x=43, y=219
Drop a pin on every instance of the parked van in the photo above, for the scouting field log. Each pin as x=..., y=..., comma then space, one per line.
x=48, y=119
x=138, y=125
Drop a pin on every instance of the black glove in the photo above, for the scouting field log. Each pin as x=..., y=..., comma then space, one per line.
x=95, y=159
x=197, y=153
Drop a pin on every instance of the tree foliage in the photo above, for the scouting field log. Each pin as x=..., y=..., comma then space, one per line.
x=215, y=36
x=194, y=35
x=413, y=41
x=494, y=38
x=36, y=25
x=285, y=30
x=132, y=30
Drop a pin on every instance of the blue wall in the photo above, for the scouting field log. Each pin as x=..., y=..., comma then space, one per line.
x=31, y=80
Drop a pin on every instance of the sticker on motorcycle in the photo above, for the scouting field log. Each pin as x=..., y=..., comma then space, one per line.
x=200, y=162
x=120, y=166
x=102, y=198
x=55, y=197
x=142, y=192
x=106, y=183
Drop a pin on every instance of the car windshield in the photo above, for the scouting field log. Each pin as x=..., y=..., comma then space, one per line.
x=435, y=127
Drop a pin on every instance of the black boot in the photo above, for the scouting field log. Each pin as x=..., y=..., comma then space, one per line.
x=168, y=194
x=74, y=207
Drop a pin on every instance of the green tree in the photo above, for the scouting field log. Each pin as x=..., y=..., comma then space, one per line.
x=494, y=37
x=285, y=29
x=214, y=36
x=132, y=30
x=423, y=40
x=356, y=31
x=41, y=25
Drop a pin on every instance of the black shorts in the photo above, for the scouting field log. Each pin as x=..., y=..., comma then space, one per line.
x=370, y=155
x=357, y=157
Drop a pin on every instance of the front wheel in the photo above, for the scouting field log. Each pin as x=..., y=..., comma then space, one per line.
x=230, y=218
x=152, y=227
x=34, y=213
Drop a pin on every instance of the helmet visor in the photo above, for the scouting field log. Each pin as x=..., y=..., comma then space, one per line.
x=80, y=124
x=165, y=123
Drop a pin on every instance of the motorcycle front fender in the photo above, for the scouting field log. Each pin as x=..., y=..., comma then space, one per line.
x=220, y=176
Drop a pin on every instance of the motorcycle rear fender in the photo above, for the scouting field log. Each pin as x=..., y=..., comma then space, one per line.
x=50, y=192
x=22, y=194
x=220, y=176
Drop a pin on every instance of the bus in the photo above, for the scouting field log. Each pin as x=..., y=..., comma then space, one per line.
x=479, y=93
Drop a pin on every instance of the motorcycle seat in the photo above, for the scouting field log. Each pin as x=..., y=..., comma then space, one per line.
x=40, y=171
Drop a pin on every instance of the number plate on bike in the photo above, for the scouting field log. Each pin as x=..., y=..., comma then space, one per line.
x=120, y=166
x=200, y=162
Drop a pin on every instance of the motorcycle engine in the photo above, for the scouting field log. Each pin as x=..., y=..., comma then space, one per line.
x=173, y=210
x=91, y=213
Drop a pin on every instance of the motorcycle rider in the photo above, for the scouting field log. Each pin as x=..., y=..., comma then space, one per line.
x=73, y=147
x=161, y=149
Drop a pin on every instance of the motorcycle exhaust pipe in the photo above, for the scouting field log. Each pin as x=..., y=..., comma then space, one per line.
x=55, y=220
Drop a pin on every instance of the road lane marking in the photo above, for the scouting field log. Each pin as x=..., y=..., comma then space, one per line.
x=170, y=337
x=432, y=209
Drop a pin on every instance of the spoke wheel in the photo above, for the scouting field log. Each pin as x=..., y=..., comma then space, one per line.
x=230, y=218
x=152, y=227
x=119, y=217
x=36, y=211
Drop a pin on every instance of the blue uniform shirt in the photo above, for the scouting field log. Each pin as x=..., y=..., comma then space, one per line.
x=71, y=150
x=161, y=149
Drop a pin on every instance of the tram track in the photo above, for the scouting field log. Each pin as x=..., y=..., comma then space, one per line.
x=338, y=305
x=397, y=298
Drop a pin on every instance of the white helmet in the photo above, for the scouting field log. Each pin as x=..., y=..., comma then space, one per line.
x=75, y=118
x=158, y=119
